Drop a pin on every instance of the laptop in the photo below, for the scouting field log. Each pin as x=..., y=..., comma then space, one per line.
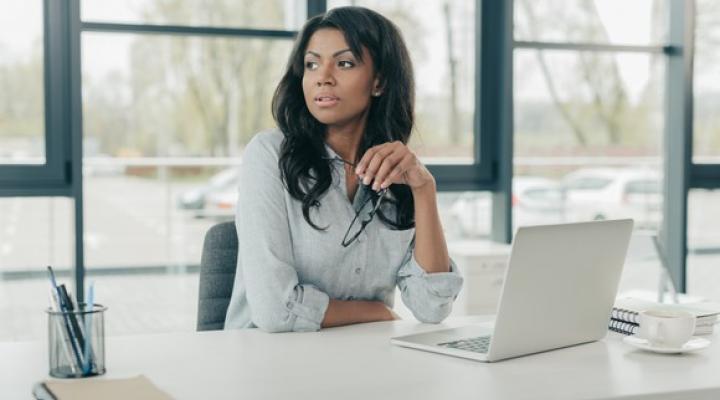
x=559, y=289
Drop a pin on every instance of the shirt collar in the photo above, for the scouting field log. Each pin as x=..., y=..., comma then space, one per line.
x=331, y=153
x=335, y=165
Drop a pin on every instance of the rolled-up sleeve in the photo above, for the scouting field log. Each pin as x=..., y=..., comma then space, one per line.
x=276, y=299
x=429, y=296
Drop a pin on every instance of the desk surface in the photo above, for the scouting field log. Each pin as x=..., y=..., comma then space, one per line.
x=358, y=362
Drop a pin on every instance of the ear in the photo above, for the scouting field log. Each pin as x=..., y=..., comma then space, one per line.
x=377, y=90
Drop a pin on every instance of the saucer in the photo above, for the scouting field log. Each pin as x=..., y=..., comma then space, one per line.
x=695, y=343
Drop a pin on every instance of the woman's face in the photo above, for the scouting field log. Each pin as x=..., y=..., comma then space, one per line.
x=336, y=85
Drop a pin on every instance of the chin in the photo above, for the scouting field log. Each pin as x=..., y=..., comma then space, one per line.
x=324, y=119
x=328, y=118
x=332, y=117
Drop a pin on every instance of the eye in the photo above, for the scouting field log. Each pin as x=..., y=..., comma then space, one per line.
x=311, y=65
x=346, y=64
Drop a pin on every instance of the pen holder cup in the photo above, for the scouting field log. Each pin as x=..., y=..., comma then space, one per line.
x=76, y=342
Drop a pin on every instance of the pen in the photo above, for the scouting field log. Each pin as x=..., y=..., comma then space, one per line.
x=87, y=367
x=70, y=307
x=64, y=344
x=66, y=317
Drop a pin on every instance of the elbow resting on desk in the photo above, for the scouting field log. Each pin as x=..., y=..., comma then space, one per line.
x=278, y=318
x=269, y=322
x=434, y=315
x=430, y=297
x=302, y=311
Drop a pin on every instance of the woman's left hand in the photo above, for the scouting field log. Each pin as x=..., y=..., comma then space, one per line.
x=391, y=163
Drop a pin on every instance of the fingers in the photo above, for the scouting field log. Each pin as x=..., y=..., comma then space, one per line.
x=374, y=164
x=379, y=161
x=396, y=175
x=386, y=167
x=368, y=156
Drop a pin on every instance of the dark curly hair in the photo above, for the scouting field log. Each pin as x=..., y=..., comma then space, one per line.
x=303, y=162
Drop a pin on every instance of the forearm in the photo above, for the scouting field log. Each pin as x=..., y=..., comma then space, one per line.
x=346, y=312
x=430, y=248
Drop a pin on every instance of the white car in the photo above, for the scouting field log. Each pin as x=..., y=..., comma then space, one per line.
x=535, y=201
x=204, y=199
x=611, y=193
x=222, y=203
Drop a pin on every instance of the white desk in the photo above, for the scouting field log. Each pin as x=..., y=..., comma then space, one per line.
x=357, y=362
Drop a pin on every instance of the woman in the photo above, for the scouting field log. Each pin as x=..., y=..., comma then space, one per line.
x=334, y=210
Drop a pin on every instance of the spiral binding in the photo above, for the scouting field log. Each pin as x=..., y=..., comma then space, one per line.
x=623, y=327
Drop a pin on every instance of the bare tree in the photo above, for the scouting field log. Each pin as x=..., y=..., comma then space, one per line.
x=601, y=75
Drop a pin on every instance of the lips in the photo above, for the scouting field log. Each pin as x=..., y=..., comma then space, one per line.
x=326, y=100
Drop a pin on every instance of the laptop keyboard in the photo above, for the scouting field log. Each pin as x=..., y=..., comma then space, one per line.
x=478, y=344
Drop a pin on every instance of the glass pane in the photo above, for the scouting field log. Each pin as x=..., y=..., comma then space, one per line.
x=706, y=137
x=638, y=22
x=197, y=97
x=162, y=143
x=588, y=139
x=445, y=80
x=703, y=243
x=590, y=124
x=34, y=232
x=22, y=104
x=269, y=14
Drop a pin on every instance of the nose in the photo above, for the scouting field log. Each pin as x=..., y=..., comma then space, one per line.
x=325, y=76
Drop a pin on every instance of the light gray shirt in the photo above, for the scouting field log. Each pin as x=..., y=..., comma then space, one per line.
x=287, y=270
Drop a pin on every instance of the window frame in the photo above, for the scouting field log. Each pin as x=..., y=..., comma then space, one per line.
x=53, y=177
x=493, y=130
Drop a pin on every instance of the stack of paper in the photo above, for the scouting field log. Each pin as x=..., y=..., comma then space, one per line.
x=137, y=388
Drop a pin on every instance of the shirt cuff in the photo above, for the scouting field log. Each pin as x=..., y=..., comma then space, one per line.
x=440, y=284
x=308, y=307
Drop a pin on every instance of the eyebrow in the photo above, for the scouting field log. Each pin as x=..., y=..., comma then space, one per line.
x=335, y=54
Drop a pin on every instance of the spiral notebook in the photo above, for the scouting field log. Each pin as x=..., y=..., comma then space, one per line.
x=625, y=315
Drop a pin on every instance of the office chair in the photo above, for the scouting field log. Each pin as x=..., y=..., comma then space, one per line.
x=217, y=274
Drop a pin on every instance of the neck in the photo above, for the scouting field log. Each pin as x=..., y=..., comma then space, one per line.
x=345, y=139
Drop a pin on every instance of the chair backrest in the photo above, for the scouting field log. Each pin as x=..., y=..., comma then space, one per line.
x=217, y=274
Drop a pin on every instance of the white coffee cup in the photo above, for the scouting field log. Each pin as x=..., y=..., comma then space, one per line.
x=666, y=328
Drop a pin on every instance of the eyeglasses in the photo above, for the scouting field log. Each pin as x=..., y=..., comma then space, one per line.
x=362, y=219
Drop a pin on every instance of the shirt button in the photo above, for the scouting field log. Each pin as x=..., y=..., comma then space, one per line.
x=358, y=270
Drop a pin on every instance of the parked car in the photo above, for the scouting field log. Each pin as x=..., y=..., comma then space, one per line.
x=197, y=198
x=221, y=204
x=535, y=201
x=611, y=193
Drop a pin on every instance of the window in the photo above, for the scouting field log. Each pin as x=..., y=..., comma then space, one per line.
x=706, y=135
x=34, y=232
x=638, y=22
x=591, y=118
x=268, y=14
x=34, y=131
x=22, y=106
x=168, y=107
